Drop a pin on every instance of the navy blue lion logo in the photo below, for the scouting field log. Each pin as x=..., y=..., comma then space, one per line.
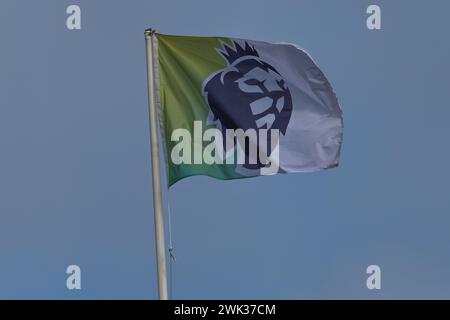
x=248, y=93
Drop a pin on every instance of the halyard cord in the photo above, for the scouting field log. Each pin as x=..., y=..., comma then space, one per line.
x=171, y=255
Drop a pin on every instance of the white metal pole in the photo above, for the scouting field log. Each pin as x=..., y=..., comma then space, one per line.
x=156, y=173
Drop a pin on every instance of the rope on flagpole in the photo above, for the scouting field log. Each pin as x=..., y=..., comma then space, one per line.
x=172, y=258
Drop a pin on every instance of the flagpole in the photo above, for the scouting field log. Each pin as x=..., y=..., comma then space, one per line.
x=156, y=173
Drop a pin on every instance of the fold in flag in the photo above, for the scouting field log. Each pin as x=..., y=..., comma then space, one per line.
x=232, y=108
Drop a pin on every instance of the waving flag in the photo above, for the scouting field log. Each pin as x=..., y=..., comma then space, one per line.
x=233, y=108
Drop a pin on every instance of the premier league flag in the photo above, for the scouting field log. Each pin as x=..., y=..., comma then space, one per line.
x=233, y=108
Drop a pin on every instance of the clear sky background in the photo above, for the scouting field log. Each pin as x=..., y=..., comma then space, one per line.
x=75, y=182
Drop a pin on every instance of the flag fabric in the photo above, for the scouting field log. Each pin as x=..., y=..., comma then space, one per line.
x=233, y=108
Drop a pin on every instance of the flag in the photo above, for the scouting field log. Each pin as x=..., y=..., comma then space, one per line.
x=233, y=108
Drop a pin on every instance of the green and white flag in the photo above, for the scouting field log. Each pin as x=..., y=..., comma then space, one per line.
x=233, y=108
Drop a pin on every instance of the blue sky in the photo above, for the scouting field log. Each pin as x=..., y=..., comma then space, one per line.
x=75, y=182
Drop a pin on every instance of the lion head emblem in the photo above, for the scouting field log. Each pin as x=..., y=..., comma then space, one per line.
x=247, y=93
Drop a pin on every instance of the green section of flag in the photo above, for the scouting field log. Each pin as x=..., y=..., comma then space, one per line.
x=184, y=64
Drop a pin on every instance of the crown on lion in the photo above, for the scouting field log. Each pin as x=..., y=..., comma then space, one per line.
x=232, y=54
